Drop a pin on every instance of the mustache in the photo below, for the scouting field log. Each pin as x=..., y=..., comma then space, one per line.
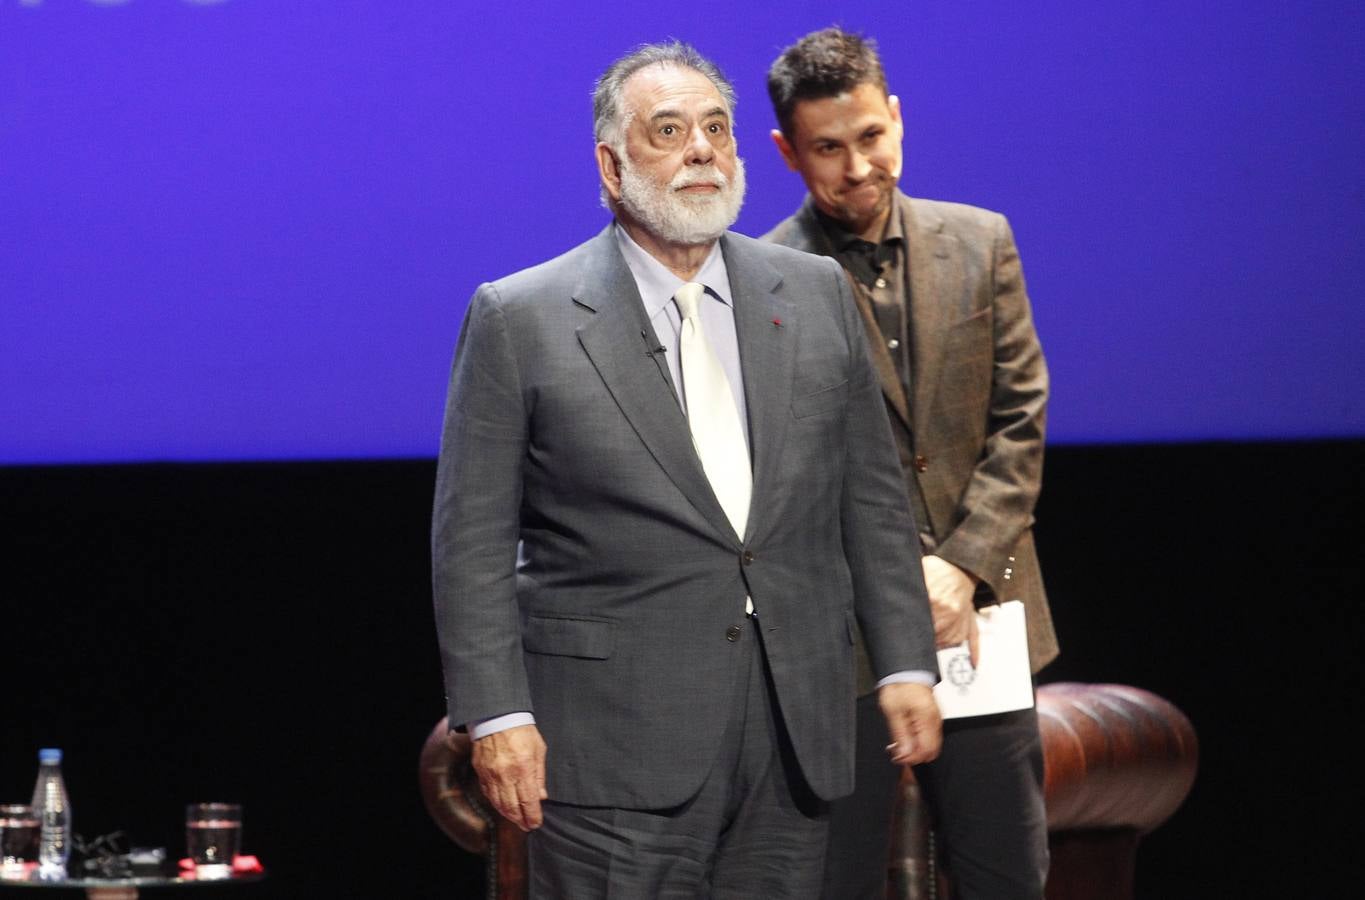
x=707, y=175
x=876, y=176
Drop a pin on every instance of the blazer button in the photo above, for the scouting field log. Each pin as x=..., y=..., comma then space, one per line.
x=732, y=633
x=747, y=557
x=921, y=463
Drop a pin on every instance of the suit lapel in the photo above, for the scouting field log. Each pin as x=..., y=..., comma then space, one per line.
x=767, y=329
x=638, y=380
x=930, y=281
x=885, y=367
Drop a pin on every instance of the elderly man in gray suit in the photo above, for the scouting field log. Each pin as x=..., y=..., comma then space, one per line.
x=940, y=293
x=667, y=496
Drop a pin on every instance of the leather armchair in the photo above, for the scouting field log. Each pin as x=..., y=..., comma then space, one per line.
x=1118, y=762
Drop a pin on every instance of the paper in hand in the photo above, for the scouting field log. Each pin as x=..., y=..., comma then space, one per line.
x=1001, y=682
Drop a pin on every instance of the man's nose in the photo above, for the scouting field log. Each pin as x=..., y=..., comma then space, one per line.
x=699, y=149
x=858, y=167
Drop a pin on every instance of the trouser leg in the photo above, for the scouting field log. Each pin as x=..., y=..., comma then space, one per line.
x=986, y=791
x=774, y=840
x=860, y=824
x=753, y=830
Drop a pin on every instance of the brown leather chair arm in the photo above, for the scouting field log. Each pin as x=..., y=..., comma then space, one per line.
x=1114, y=756
x=450, y=790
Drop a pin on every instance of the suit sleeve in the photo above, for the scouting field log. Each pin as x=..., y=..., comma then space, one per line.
x=475, y=520
x=997, y=505
x=880, y=538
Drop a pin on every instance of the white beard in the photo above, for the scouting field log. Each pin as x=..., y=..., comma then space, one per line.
x=682, y=218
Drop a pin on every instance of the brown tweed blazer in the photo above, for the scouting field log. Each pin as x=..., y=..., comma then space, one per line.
x=970, y=434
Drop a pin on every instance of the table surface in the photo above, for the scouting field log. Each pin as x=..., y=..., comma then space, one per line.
x=137, y=881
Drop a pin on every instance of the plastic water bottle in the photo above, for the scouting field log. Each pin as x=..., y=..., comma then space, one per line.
x=53, y=809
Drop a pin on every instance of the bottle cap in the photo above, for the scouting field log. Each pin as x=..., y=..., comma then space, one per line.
x=49, y=755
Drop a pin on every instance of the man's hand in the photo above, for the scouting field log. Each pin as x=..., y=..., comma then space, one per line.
x=950, y=601
x=913, y=719
x=511, y=768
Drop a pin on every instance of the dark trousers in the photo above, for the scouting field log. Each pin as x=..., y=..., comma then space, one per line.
x=754, y=830
x=985, y=791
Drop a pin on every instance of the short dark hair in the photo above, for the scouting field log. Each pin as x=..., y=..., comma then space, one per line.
x=606, y=96
x=822, y=64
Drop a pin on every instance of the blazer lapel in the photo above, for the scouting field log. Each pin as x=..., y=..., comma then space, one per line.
x=881, y=356
x=617, y=340
x=930, y=280
x=767, y=329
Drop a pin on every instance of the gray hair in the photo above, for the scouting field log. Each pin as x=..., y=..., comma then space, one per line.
x=608, y=117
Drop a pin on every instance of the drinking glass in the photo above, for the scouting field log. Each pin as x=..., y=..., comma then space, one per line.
x=19, y=828
x=213, y=837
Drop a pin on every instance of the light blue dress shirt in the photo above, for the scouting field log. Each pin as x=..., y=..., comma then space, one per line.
x=657, y=286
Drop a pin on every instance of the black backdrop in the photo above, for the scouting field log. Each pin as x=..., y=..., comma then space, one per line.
x=262, y=633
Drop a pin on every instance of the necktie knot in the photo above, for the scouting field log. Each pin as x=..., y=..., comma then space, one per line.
x=688, y=299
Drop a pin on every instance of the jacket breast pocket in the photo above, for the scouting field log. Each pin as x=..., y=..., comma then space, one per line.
x=823, y=400
x=581, y=637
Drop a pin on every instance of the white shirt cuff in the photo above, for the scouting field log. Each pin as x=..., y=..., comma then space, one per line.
x=913, y=676
x=485, y=727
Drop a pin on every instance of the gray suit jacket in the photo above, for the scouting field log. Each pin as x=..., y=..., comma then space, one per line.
x=971, y=435
x=613, y=623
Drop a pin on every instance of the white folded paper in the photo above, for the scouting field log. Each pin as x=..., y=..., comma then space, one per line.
x=1002, y=681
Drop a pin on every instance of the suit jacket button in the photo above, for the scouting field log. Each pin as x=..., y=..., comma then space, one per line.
x=921, y=463
x=732, y=633
x=747, y=557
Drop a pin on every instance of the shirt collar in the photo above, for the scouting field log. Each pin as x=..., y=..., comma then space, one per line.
x=842, y=238
x=658, y=285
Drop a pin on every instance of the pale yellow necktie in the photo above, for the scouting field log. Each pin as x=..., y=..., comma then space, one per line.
x=717, y=433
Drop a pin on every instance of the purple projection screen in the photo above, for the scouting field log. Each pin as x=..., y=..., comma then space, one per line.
x=247, y=229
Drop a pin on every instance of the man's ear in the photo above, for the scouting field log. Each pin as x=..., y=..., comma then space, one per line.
x=785, y=148
x=894, y=104
x=609, y=170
